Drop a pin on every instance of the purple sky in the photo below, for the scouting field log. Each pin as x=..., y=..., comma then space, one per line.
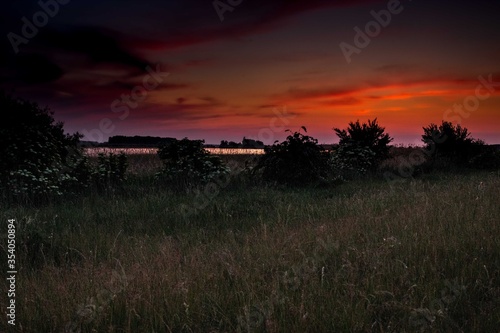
x=267, y=66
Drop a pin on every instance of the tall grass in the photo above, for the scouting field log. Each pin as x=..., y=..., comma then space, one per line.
x=360, y=257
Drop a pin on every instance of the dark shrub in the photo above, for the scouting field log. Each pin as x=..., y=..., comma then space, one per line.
x=370, y=135
x=361, y=149
x=405, y=162
x=451, y=144
x=110, y=170
x=352, y=161
x=298, y=160
x=488, y=158
x=36, y=156
x=187, y=163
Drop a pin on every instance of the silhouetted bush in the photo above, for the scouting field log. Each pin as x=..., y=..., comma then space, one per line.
x=187, y=163
x=36, y=156
x=361, y=149
x=370, y=135
x=451, y=144
x=405, y=162
x=110, y=170
x=488, y=158
x=298, y=160
x=351, y=161
x=38, y=161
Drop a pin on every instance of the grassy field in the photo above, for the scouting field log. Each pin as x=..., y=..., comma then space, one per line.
x=419, y=256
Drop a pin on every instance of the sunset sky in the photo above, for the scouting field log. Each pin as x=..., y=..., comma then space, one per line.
x=267, y=66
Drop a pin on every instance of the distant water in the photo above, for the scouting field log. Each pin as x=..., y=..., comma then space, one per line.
x=144, y=151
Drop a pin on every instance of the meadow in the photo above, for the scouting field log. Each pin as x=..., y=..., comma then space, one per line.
x=362, y=256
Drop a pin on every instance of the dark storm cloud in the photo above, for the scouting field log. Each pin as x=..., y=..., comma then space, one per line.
x=71, y=49
x=101, y=38
x=196, y=21
x=98, y=40
x=98, y=45
x=36, y=68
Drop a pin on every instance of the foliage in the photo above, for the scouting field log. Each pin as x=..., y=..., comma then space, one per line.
x=110, y=169
x=488, y=158
x=250, y=143
x=296, y=161
x=39, y=161
x=370, y=135
x=451, y=142
x=361, y=149
x=36, y=156
x=186, y=162
x=351, y=161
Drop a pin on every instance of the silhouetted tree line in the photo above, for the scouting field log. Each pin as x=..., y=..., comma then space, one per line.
x=137, y=140
x=37, y=159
